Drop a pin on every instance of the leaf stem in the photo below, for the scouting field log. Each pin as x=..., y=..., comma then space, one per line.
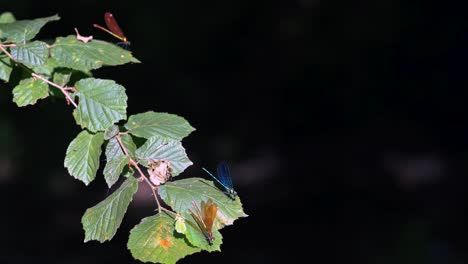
x=134, y=164
x=169, y=211
x=62, y=89
x=119, y=139
x=2, y=47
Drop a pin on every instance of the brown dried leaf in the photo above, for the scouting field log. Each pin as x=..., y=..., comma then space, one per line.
x=159, y=171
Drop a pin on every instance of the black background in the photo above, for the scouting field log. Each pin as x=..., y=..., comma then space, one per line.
x=344, y=123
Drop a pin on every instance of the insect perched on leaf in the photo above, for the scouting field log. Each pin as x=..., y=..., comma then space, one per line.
x=205, y=218
x=114, y=29
x=224, y=178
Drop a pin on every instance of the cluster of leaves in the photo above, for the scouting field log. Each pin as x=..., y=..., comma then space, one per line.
x=63, y=68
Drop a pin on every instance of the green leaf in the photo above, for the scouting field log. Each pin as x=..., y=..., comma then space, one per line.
x=180, y=194
x=164, y=125
x=111, y=132
x=101, y=103
x=116, y=159
x=154, y=240
x=127, y=140
x=46, y=69
x=21, y=31
x=62, y=76
x=113, y=149
x=196, y=237
x=128, y=174
x=101, y=221
x=157, y=148
x=72, y=53
x=114, y=168
x=31, y=54
x=6, y=66
x=7, y=17
x=82, y=157
x=28, y=91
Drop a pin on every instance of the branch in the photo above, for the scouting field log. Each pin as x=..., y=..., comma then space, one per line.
x=169, y=211
x=37, y=76
x=2, y=47
x=134, y=164
x=62, y=89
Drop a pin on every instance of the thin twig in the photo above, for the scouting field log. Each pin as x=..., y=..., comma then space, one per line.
x=142, y=175
x=134, y=164
x=169, y=211
x=69, y=88
x=6, y=52
x=119, y=139
x=62, y=89
x=154, y=193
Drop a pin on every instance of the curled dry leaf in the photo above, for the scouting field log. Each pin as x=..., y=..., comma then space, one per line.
x=159, y=171
x=82, y=38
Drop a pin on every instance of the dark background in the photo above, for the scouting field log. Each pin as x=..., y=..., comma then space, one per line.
x=344, y=123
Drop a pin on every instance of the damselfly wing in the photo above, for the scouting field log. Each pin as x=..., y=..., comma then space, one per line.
x=114, y=28
x=224, y=179
x=205, y=218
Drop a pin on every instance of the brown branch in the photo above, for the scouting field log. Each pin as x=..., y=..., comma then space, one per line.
x=134, y=164
x=69, y=88
x=2, y=47
x=62, y=89
x=169, y=211
x=65, y=90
